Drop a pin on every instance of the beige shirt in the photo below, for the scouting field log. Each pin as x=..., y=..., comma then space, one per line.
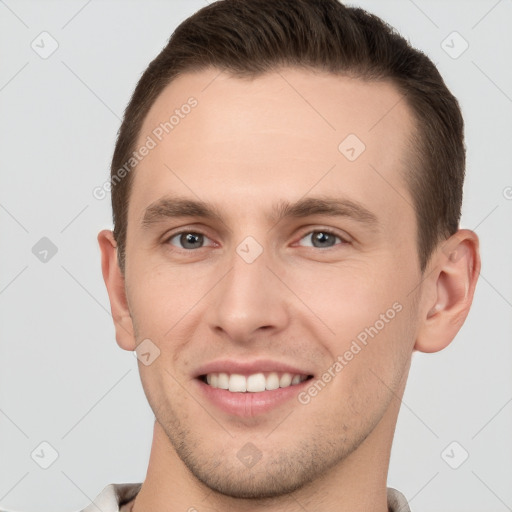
x=120, y=498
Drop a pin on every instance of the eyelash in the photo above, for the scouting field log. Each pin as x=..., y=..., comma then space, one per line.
x=325, y=231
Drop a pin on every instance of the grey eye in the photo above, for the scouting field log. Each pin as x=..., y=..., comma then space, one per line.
x=188, y=240
x=321, y=239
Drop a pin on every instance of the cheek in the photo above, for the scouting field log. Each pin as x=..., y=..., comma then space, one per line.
x=163, y=295
x=370, y=320
x=348, y=297
x=167, y=305
x=365, y=371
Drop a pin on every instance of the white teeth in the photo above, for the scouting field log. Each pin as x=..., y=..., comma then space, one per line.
x=223, y=381
x=255, y=383
x=285, y=380
x=237, y=383
x=272, y=381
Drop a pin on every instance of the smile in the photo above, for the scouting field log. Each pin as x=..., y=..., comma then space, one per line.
x=250, y=388
x=254, y=383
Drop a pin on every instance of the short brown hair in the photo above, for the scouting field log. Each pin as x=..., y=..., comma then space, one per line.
x=248, y=38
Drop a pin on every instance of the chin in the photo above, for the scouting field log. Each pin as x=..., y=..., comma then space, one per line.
x=257, y=483
x=281, y=470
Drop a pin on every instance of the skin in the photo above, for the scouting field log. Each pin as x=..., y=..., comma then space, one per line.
x=247, y=145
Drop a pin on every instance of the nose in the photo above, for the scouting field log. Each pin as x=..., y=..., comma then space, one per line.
x=250, y=301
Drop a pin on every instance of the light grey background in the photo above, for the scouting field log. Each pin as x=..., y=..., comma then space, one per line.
x=64, y=380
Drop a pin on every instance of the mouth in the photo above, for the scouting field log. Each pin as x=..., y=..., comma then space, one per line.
x=253, y=383
x=250, y=389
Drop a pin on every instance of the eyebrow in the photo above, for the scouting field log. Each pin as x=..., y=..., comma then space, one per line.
x=169, y=207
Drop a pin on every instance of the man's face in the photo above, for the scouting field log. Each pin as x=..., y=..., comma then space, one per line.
x=251, y=292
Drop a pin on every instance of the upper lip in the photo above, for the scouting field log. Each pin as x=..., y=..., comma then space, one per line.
x=248, y=367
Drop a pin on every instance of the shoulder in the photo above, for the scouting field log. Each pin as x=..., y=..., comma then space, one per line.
x=397, y=501
x=110, y=498
x=113, y=496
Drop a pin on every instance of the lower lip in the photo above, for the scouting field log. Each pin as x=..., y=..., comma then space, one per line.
x=250, y=404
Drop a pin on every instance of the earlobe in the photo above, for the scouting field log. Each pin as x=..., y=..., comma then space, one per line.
x=115, y=283
x=450, y=287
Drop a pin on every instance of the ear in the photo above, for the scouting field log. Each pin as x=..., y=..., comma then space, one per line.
x=114, y=281
x=450, y=285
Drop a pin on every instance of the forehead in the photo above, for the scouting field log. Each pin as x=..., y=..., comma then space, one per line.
x=276, y=136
